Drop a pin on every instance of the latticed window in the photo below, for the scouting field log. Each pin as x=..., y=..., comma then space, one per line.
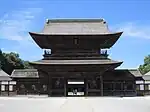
x=57, y=83
x=129, y=86
x=118, y=86
x=94, y=83
x=108, y=86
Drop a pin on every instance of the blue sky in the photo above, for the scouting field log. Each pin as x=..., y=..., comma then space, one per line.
x=18, y=17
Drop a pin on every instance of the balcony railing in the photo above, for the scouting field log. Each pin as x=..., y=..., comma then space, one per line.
x=104, y=53
x=47, y=52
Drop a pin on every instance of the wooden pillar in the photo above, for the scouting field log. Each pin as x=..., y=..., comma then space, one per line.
x=49, y=85
x=39, y=86
x=65, y=87
x=101, y=85
x=86, y=86
x=8, y=88
x=144, y=88
x=113, y=83
x=124, y=88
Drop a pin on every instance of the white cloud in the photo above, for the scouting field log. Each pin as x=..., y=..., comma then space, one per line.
x=134, y=30
x=16, y=24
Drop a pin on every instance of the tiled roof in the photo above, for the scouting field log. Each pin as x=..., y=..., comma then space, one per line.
x=4, y=76
x=71, y=62
x=76, y=26
x=134, y=72
x=146, y=76
x=48, y=41
x=25, y=73
x=33, y=73
x=57, y=31
x=148, y=73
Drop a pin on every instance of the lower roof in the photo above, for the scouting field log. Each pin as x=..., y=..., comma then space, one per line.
x=33, y=73
x=146, y=76
x=75, y=62
x=148, y=73
x=4, y=76
x=134, y=72
x=25, y=73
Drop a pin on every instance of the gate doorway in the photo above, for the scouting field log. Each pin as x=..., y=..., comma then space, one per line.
x=75, y=88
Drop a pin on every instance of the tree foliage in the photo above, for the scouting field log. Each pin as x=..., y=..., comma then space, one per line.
x=11, y=61
x=146, y=66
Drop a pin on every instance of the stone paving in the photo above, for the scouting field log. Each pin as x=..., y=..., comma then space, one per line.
x=74, y=104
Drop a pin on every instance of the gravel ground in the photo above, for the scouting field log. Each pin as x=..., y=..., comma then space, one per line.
x=74, y=104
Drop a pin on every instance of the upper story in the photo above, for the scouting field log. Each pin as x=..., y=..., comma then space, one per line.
x=75, y=37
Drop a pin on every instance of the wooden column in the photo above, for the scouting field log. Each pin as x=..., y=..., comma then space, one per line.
x=144, y=88
x=86, y=86
x=114, y=85
x=39, y=84
x=124, y=87
x=101, y=84
x=65, y=87
x=49, y=85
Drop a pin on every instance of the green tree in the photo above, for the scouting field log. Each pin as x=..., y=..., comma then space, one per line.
x=146, y=66
x=26, y=64
x=11, y=61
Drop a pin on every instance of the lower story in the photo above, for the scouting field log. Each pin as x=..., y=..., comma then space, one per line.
x=112, y=83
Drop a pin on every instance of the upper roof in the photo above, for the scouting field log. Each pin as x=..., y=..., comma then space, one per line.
x=76, y=26
x=4, y=76
x=46, y=41
x=25, y=73
x=58, y=31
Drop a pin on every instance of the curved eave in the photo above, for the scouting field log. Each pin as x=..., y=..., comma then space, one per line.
x=68, y=64
x=43, y=34
x=43, y=42
x=76, y=62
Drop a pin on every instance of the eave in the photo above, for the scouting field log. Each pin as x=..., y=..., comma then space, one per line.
x=75, y=65
x=47, y=41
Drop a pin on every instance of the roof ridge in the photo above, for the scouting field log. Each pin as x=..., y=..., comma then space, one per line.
x=24, y=70
x=75, y=20
x=127, y=69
